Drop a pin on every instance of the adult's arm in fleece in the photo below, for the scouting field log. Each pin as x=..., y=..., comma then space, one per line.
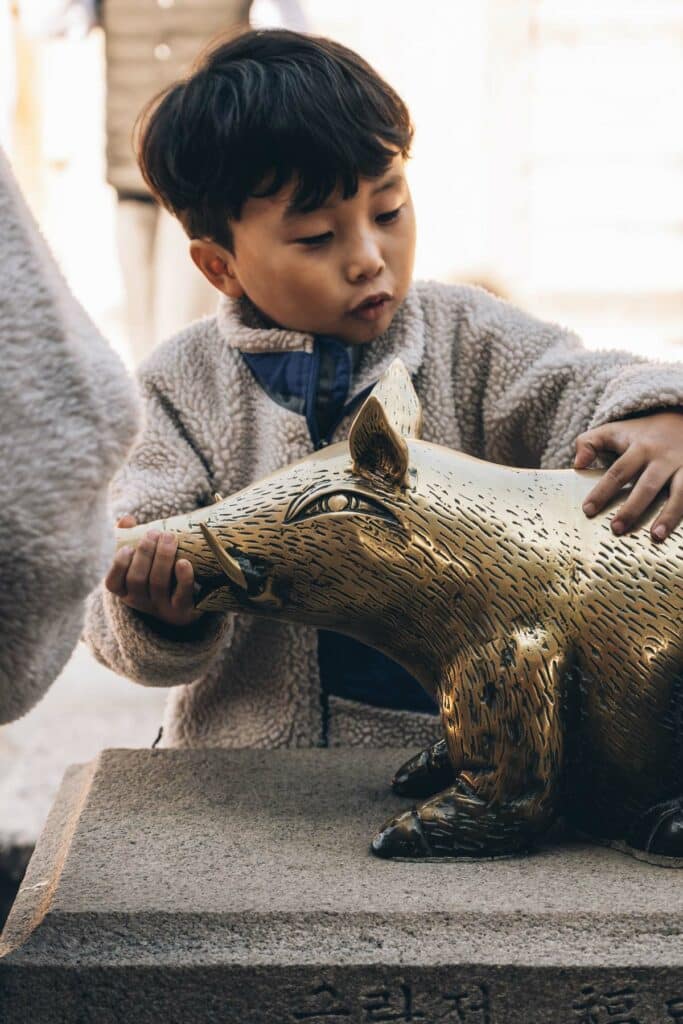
x=68, y=415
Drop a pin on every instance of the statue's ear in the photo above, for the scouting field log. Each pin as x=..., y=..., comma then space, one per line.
x=376, y=447
x=397, y=395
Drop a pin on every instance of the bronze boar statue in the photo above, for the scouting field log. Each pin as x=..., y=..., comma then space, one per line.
x=553, y=648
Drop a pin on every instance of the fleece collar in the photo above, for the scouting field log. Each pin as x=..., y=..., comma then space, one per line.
x=239, y=325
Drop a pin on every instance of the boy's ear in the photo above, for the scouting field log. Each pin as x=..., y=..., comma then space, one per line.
x=217, y=266
x=376, y=447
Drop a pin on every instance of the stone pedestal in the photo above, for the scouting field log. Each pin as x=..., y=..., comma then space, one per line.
x=218, y=886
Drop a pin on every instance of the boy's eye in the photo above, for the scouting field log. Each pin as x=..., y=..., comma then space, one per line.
x=313, y=240
x=389, y=216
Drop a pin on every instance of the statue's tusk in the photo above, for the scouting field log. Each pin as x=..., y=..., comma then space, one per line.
x=228, y=564
x=217, y=497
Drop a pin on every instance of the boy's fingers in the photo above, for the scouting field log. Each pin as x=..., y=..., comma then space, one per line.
x=585, y=454
x=137, y=578
x=620, y=473
x=591, y=442
x=672, y=513
x=183, y=595
x=161, y=571
x=115, y=580
x=125, y=522
x=644, y=493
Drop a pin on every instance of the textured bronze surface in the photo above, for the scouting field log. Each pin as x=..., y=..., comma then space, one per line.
x=553, y=647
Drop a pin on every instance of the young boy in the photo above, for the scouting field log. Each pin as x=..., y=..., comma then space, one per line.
x=283, y=156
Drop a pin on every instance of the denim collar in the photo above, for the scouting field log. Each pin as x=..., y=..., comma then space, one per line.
x=315, y=384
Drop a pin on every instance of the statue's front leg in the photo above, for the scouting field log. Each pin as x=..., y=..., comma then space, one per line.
x=503, y=734
x=425, y=773
x=460, y=824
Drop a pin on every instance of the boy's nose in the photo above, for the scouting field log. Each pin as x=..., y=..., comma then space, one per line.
x=365, y=263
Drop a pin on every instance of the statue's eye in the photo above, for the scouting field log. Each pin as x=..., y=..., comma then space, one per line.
x=338, y=501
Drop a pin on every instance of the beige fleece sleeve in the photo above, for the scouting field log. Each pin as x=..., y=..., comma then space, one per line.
x=166, y=475
x=536, y=388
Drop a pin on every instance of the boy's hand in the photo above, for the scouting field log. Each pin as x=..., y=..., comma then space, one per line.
x=650, y=450
x=144, y=578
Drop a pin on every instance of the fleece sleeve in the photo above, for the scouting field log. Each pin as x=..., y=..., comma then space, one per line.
x=166, y=475
x=68, y=415
x=537, y=388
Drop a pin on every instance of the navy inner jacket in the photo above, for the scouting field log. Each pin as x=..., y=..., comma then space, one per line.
x=316, y=385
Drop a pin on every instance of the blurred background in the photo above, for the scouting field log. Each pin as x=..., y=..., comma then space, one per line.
x=548, y=166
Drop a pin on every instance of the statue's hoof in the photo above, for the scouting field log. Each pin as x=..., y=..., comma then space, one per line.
x=659, y=832
x=402, y=837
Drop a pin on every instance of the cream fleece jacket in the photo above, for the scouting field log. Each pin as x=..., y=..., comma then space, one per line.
x=68, y=415
x=493, y=382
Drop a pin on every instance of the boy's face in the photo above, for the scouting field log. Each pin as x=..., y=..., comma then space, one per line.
x=343, y=269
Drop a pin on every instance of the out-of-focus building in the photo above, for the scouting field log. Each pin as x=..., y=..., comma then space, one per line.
x=547, y=155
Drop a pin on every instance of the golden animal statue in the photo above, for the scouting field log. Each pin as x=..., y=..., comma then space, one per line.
x=553, y=648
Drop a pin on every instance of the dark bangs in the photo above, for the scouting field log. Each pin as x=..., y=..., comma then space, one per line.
x=264, y=110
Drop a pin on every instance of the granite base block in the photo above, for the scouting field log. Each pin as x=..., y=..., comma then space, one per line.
x=237, y=886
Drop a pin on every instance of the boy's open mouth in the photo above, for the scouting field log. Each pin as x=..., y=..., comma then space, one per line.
x=372, y=307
